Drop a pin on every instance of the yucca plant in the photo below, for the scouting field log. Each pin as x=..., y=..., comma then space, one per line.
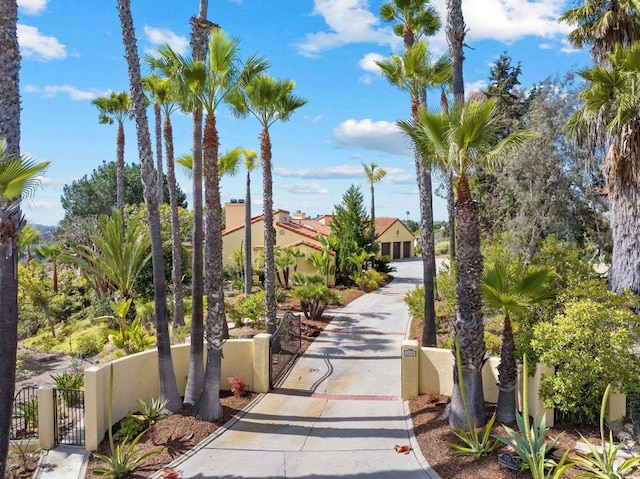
x=601, y=464
x=123, y=458
x=529, y=441
x=476, y=444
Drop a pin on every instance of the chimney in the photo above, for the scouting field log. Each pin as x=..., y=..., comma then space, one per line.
x=299, y=215
x=234, y=214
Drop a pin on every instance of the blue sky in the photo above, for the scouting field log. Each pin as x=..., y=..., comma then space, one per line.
x=72, y=52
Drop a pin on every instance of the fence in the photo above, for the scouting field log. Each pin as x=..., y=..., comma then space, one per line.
x=69, y=417
x=24, y=423
x=286, y=344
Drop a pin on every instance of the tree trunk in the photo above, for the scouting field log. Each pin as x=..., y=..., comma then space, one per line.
x=456, y=31
x=120, y=169
x=428, y=253
x=507, y=376
x=158, y=131
x=373, y=216
x=248, y=265
x=8, y=341
x=468, y=323
x=208, y=406
x=451, y=214
x=168, y=385
x=269, y=236
x=12, y=220
x=622, y=168
x=176, y=241
x=195, y=379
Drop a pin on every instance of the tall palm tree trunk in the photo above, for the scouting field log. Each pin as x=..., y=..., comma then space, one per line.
x=195, y=378
x=176, y=241
x=120, y=168
x=248, y=270
x=168, y=384
x=208, y=407
x=269, y=236
x=623, y=173
x=456, y=31
x=423, y=176
x=451, y=214
x=507, y=376
x=373, y=216
x=8, y=335
x=468, y=323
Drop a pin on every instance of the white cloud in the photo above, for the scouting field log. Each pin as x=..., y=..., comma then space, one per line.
x=379, y=135
x=368, y=62
x=35, y=44
x=74, y=93
x=475, y=87
x=311, y=188
x=32, y=7
x=330, y=172
x=567, y=48
x=162, y=36
x=349, y=21
x=509, y=20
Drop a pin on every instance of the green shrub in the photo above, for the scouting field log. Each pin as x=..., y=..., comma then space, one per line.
x=252, y=307
x=442, y=247
x=130, y=426
x=314, y=299
x=132, y=338
x=375, y=276
x=492, y=343
x=382, y=265
x=70, y=382
x=414, y=299
x=89, y=343
x=299, y=279
x=590, y=344
x=566, y=259
x=446, y=281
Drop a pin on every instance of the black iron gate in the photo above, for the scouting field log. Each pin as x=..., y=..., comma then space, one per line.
x=285, y=346
x=69, y=416
x=24, y=419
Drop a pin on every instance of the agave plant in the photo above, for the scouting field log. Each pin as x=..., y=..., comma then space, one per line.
x=601, y=464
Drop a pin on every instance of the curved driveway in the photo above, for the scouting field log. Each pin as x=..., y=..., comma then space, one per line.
x=338, y=413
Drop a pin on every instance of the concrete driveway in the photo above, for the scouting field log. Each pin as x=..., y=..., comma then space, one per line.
x=338, y=413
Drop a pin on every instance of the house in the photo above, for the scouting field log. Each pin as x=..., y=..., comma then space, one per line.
x=296, y=230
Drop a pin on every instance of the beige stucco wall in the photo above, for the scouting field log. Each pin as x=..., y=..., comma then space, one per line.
x=136, y=377
x=433, y=373
x=235, y=239
x=397, y=233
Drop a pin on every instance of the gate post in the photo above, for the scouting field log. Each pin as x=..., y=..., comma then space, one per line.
x=261, y=363
x=46, y=417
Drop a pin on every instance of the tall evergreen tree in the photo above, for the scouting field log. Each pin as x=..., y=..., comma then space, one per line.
x=349, y=225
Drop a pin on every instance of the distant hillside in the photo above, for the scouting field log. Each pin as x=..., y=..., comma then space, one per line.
x=46, y=232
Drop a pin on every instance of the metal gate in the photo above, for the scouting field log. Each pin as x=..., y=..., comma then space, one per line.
x=24, y=418
x=285, y=346
x=69, y=416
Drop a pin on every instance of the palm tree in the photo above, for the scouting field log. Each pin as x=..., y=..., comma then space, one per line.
x=465, y=139
x=603, y=24
x=374, y=174
x=611, y=99
x=512, y=290
x=209, y=83
x=29, y=236
x=19, y=176
x=250, y=163
x=609, y=118
x=268, y=100
x=412, y=72
x=417, y=19
x=51, y=253
x=164, y=93
x=153, y=196
x=116, y=253
x=116, y=107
